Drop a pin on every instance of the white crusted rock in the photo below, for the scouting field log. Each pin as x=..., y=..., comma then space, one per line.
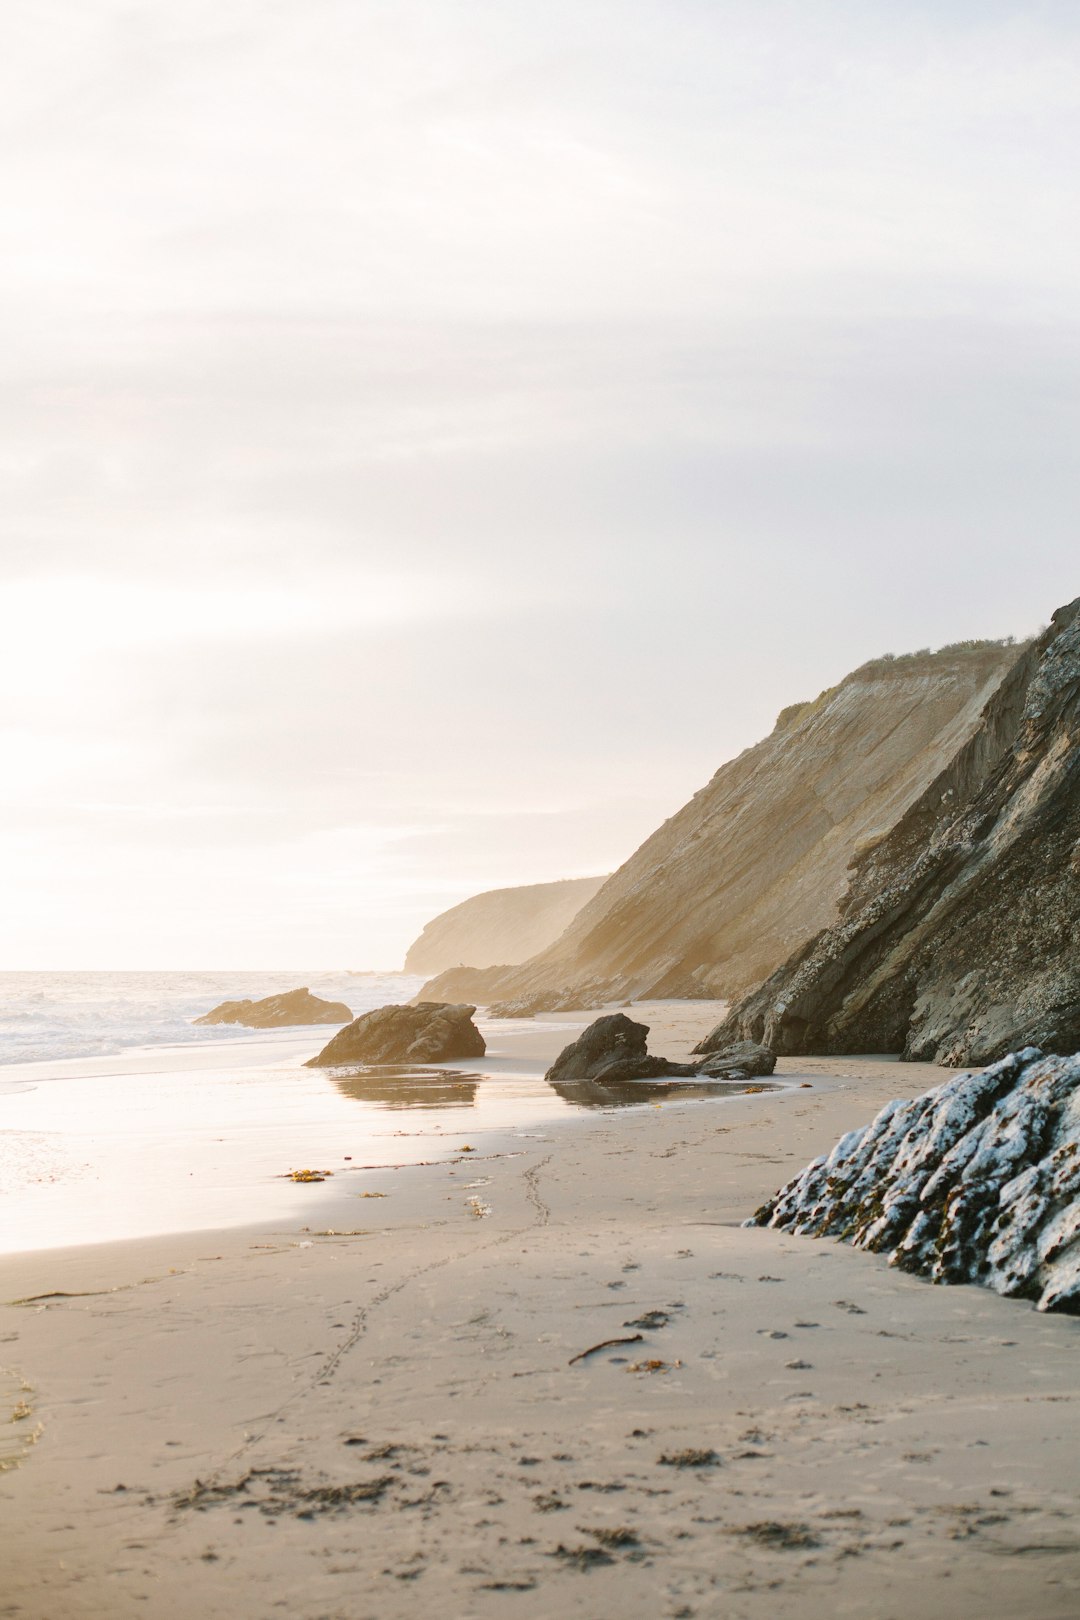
x=977, y=1181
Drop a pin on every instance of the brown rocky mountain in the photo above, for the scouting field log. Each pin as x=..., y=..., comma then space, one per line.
x=958, y=936
x=503, y=925
x=757, y=863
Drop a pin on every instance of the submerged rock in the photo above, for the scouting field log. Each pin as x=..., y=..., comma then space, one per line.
x=277, y=1012
x=614, y=1048
x=735, y=1058
x=432, y=1032
x=977, y=1181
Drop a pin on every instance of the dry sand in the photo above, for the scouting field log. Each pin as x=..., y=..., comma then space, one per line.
x=383, y=1414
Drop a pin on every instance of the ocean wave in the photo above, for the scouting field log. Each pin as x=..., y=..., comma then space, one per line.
x=50, y=1016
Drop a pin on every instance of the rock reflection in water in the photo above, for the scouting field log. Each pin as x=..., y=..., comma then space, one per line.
x=399, y=1085
x=632, y=1093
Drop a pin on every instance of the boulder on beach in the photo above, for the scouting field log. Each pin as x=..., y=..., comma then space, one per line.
x=613, y=1048
x=735, y=1059
x=432, y=1032
x=278, y=1012
x=976, y=1181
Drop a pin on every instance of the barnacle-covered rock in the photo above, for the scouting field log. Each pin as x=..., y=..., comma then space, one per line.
x=977, y=1181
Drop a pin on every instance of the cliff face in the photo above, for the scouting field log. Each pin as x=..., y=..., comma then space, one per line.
x=504, y=925
x=757, y=863
x=957, y=941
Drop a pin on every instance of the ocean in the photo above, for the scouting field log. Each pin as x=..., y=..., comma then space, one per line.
x=46, y=1016
x=120, y=1118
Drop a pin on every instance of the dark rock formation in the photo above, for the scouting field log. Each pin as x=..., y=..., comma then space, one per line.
x=757, y=863
x=278, y=1012
x=744, y=1058
x=502, y=925
x=613, y=1049
x=977, y=1181
x=958, y=936
x=433, y=1032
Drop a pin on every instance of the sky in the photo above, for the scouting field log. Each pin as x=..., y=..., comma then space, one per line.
x=436, y=434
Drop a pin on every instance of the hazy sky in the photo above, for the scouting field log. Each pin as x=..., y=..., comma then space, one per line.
x=435, y=434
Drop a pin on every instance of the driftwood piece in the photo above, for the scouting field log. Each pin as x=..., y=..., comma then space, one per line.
x=635, y=1338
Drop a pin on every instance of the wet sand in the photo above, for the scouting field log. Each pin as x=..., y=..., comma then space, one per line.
x=392, y=1401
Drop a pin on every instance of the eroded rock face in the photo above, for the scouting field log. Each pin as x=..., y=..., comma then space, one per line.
x=278, y=1012
x=977, y=1181
x=736, y=1058
x=756, y=864
x=544, y=1001
x=487, y=987
x=500, y=926
x=957, y=942
x=613, y=1048
x=433, y=1032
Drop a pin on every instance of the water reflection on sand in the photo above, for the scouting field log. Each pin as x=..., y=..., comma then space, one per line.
x=394, y=1085
x=633, y=1093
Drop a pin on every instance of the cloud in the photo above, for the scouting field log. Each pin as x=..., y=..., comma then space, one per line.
x=433, y=437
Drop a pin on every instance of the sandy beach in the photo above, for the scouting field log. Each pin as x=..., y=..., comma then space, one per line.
x=389, y=1398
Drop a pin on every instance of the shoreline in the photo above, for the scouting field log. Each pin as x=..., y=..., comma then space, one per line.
x=350, y=1418
x=203, y=1136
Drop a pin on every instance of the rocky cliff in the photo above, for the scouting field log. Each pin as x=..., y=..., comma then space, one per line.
x=757, y=863
x=958, y=936
x=501, y=926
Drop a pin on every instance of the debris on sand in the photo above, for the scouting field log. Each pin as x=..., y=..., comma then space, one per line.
x=605, y=1344
x=690, y=1458
x=773, y=1533
x=616, y=1535
x=276, y=1491
x=583, y=1558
